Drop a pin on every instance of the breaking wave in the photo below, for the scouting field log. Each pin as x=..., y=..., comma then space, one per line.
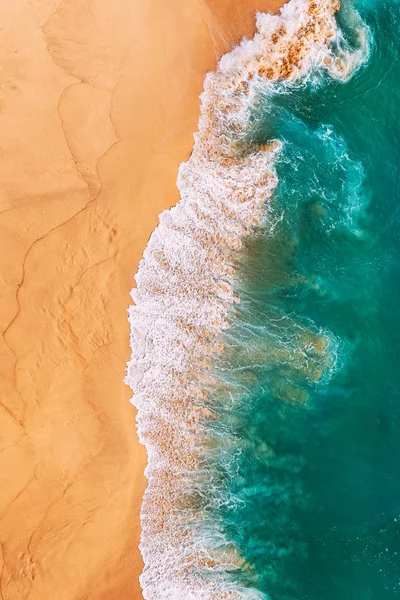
x=185, y=297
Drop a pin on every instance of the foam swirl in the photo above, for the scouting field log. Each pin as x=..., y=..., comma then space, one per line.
x=185, y=290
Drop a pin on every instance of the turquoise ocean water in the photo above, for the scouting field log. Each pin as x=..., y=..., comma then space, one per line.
x=309, y=399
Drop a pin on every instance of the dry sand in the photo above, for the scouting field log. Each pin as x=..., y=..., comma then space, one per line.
x=99, y=101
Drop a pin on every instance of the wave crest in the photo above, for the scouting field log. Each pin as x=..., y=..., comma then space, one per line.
x=184, y=293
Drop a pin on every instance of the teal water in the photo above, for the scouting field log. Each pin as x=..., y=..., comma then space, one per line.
x=310, y=380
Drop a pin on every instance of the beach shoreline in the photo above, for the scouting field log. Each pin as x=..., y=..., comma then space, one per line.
x=100, y=105
x=183, y=299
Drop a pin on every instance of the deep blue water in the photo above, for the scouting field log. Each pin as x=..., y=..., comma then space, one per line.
x=313, y=356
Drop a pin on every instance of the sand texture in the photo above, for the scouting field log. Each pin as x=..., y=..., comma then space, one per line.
x=231, y=20
x=99, y=101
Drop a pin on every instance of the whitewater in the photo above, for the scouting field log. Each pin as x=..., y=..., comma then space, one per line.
x=185, y=295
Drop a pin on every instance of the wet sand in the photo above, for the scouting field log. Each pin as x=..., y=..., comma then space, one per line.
x=99, y=102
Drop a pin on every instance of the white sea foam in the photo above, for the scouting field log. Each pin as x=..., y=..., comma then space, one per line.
x=184, y=292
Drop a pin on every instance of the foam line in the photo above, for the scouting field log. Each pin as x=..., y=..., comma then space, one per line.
x=184, y=291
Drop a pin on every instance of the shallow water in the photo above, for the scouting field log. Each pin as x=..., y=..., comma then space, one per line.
x=265, y=328
x=310, y=383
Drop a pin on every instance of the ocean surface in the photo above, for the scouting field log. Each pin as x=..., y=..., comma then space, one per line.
x=314, y=491
x=301, y=476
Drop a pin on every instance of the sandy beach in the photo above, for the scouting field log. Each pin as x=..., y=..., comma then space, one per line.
x=99, y=103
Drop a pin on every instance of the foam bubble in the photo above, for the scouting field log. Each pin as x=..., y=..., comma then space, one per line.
x=184, y=293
